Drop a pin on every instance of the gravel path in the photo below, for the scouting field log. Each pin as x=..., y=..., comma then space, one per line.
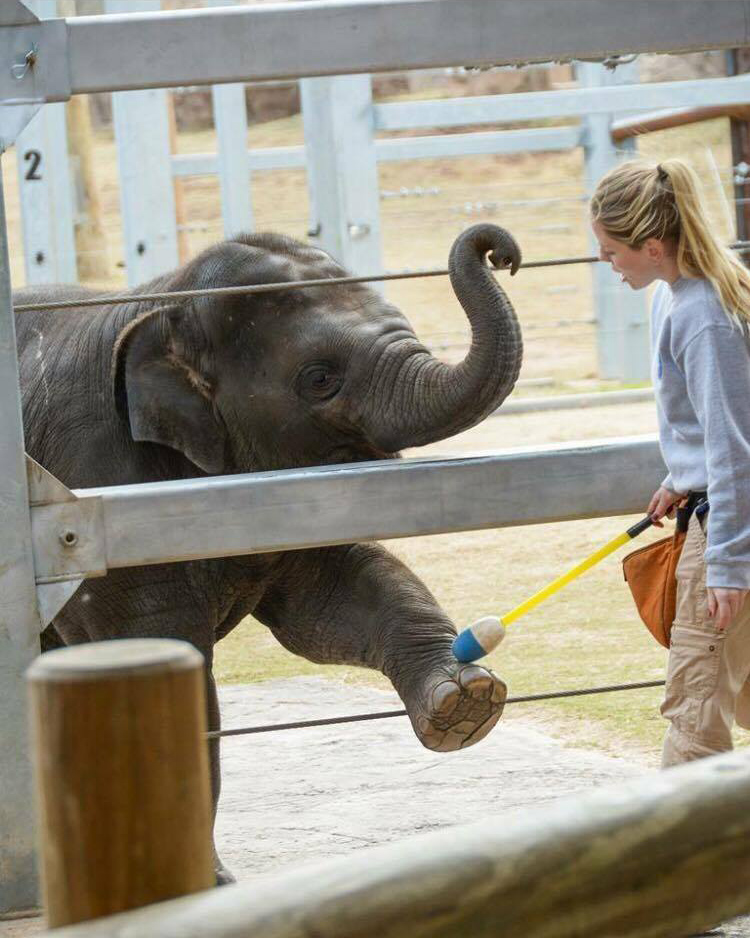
x=316, y=793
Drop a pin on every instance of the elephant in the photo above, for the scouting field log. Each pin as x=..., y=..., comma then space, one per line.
x=144, y=391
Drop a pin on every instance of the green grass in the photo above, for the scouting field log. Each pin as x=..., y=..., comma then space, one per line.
x=588, y=635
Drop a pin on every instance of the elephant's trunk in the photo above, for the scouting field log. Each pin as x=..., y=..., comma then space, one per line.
x=434, y=400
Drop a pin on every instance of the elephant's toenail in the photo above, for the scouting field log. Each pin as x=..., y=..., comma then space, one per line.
x=499, y=692
x=475, y=678
x=445, y=697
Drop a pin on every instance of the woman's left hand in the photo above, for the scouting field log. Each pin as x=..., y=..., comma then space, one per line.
x=724, y=604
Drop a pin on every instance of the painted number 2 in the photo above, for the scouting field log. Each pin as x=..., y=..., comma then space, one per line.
x=34, y=159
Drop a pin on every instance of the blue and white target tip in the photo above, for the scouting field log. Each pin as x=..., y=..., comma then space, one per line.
x=479, y=639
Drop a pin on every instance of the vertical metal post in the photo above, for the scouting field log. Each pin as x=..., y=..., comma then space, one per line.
x=621, y=314
x=19, y=619
x=45, y=187
x=738, y=62
x=342, y=169
x=146, y=190
x=230, y=120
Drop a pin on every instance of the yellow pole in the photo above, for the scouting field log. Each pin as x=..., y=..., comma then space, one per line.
x=565, y=578
x=486, y=633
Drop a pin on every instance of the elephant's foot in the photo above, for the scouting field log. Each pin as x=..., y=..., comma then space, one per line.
x=223, y=876
x=458, y=706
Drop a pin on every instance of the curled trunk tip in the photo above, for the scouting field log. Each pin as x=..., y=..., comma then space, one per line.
x=451, y=398
x=491, y=242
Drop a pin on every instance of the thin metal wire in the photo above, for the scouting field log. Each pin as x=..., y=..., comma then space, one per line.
x=741, y=247
x=385, y=714
x=179, y=295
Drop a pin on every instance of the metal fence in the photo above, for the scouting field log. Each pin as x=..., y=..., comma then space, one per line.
x=344, y=214
x=54, y=59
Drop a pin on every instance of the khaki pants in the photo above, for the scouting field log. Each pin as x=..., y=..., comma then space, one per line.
x=707, y=674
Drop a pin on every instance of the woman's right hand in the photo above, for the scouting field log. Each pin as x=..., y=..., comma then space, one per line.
x=662, y=503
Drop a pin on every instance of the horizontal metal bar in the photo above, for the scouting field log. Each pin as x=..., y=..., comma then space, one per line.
x=333, y=37
x=576, y=102
x=526, y=405
x=207, y=164
x=503, y=141
x=408, y=148
x=297, y=508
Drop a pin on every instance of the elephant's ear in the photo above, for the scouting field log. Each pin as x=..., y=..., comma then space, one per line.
x=162, y=393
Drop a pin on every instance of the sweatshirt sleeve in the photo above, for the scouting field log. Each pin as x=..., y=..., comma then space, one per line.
x=667, y=483
x=716, y=365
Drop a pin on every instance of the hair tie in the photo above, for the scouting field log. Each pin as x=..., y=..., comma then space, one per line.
x=662, y=174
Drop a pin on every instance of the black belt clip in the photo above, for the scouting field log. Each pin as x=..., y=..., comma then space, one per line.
x=696, y=502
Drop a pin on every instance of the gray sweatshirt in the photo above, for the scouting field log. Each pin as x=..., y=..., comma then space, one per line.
x=701, y=375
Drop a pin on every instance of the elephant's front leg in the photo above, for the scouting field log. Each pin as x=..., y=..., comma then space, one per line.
x=360, y=605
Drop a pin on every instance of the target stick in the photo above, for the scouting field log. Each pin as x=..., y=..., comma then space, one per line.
x=486, y=633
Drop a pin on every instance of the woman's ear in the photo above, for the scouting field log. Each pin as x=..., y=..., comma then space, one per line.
x=654, y=249
x=162, y=394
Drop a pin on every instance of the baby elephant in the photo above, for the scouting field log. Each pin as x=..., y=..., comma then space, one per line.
x=145, y=391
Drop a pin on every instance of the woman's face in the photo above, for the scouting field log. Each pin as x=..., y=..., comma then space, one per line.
x=638, y=267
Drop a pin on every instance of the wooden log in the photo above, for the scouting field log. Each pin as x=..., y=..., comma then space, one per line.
x=90, y=236
x=664, y=855
x=663, y=120
x=122, y=776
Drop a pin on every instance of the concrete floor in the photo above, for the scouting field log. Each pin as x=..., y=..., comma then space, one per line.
x=311, y=794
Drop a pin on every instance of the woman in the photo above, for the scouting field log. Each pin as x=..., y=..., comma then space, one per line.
x=651, y=225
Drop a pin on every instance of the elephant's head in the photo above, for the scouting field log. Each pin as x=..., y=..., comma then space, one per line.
x=311, y=376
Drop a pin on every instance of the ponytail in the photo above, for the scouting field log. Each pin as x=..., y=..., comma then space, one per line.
x=636, y=201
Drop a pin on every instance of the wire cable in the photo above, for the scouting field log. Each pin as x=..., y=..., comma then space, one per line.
x=178, y=295
x=385, y=714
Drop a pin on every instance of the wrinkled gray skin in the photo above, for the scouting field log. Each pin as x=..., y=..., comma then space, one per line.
x=144, y=392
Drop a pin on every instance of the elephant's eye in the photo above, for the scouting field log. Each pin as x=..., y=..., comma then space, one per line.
x=319, y=381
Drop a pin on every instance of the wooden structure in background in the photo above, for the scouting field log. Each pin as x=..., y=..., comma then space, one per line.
x=738, y=62
x=90, y=237
x=180, y=213
x=664, y=120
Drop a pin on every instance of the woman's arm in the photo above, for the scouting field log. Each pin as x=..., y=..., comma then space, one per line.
x=716, y=364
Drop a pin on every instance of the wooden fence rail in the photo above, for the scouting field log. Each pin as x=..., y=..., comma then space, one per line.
x=629, y=127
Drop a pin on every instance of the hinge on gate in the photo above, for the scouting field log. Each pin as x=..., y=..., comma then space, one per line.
x=34, y=67
x=67, y=535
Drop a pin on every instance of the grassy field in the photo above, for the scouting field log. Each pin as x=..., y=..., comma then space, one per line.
x=590, y=634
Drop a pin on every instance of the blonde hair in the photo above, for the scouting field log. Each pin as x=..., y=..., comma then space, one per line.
x=637, y=200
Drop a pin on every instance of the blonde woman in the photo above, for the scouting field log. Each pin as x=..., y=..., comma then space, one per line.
x=651, y=225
